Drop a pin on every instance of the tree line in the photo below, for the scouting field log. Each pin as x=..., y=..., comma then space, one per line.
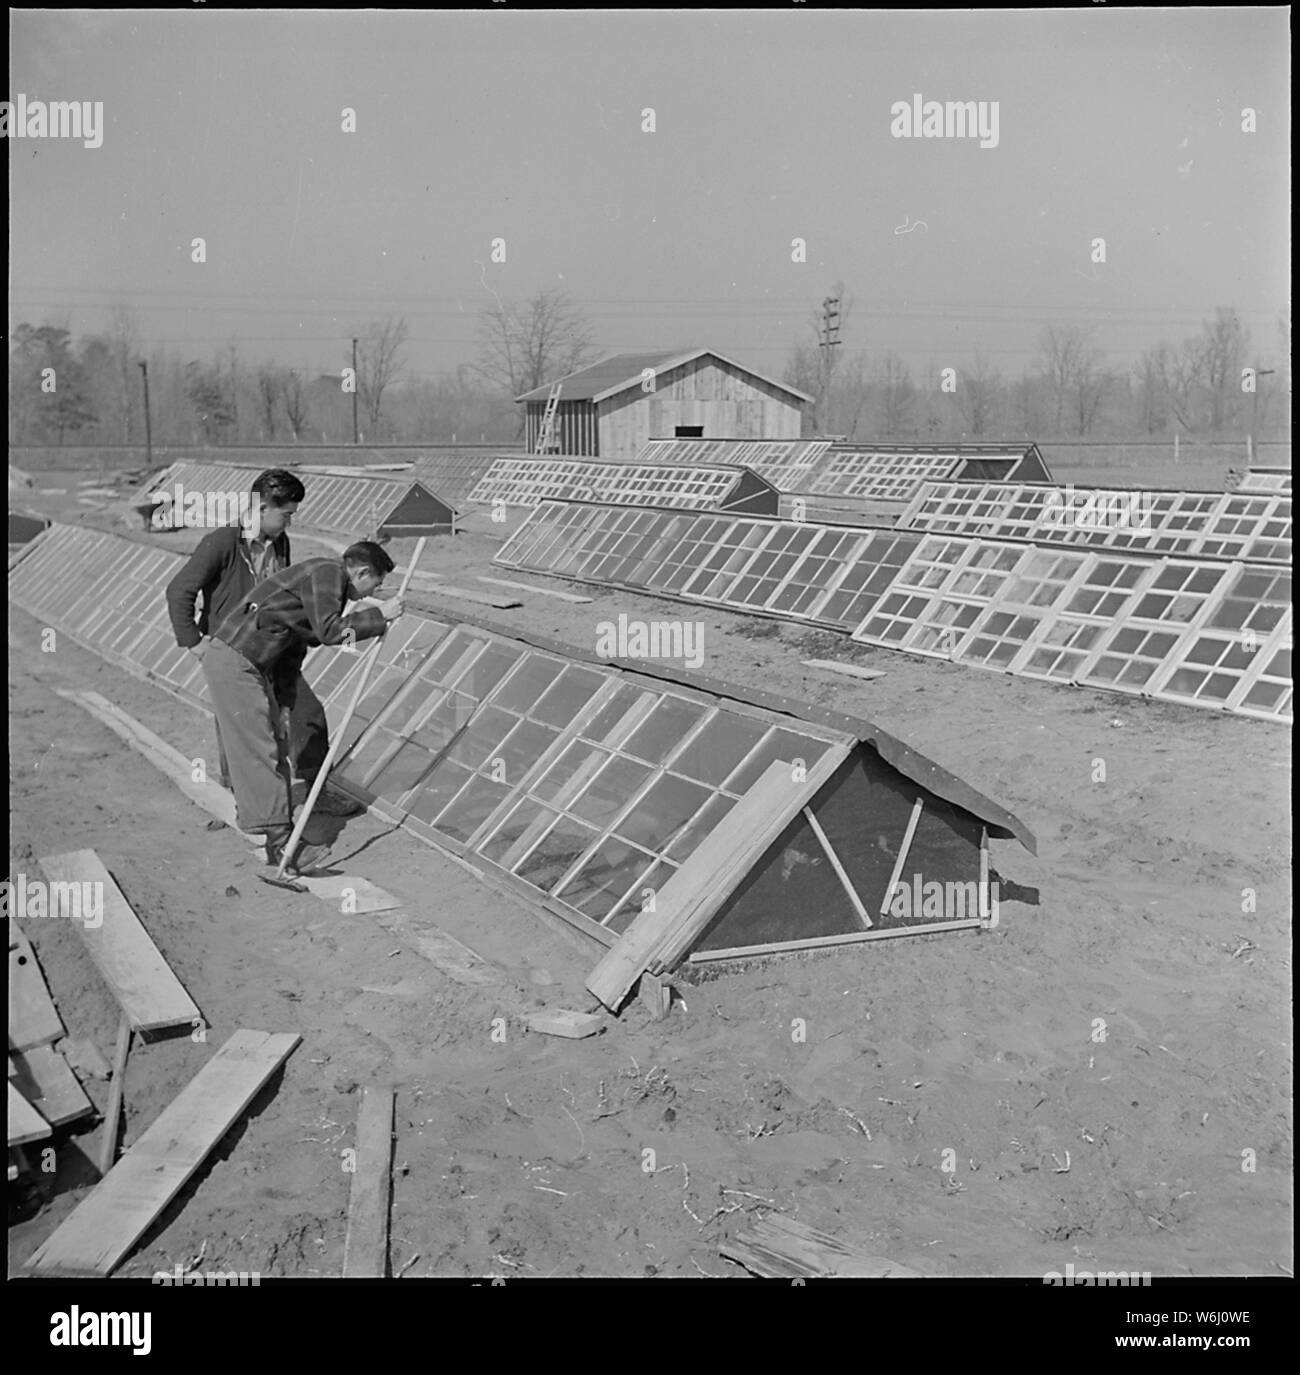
x=91, y=390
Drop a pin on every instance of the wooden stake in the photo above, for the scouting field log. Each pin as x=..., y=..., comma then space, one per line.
x=902, y=856
x=108, y=1143
x=838, y=867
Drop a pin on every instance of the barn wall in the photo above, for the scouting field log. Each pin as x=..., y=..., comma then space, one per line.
x=727, y=402
x=575, y=427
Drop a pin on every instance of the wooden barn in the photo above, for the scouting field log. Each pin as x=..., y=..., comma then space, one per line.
x=604, y=411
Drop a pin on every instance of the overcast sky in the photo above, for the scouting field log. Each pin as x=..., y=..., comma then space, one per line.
x=771, y=126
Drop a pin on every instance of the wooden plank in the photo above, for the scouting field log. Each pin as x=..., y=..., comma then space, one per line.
x=725, y=871
x=559, y=1021
x=529, y=587
x=97, y=1236
x=697, y=888
x=365, y=1251
x=466, y=594
x=46, y=1081
x=124, y=953
x=778, y=1247
x=168, y=760
x=750, y=952
x=108, y=1137
x=831, y=666
x=448, y=954
x=33, y=1018
x=25, y=1123
x=840, y=873
x=902, y=855
x=216, y=801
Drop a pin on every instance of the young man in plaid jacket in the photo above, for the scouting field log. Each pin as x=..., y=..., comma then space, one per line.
x=254, y=670
x=225, y=567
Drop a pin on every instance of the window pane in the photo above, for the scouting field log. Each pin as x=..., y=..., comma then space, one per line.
x=663, y=729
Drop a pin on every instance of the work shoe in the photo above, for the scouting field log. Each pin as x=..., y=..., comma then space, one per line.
x=335, y=804
x=307, y=859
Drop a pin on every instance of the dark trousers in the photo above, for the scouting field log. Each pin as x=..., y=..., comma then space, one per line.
x=309, y=739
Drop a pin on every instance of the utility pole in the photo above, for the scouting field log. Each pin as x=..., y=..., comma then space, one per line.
x=356, y=387
x=828, y=341
x=148, y=429
x=1254, y=415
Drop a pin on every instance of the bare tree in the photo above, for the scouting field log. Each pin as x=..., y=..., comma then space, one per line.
x=379, y=363
x=524, y=344
x=1224, y=346
x=1069, y=361
x=295, y=402
x=269, y=382
x=897, y=396
x=978, y=394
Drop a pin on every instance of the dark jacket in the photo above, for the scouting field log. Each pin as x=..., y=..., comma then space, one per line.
x=293, y=611
x=220, y=569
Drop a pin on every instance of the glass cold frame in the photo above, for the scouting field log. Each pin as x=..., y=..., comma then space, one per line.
x=1131, y=652
x=963, y=577
x=525, y=481
x=1096, y=599
x=1228, y=651
x=870, y=474
x=1022, y=607
x=578, y=781
x=1265, y=480
x=785, y=463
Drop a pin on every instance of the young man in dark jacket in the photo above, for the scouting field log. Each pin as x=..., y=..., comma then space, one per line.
x=225, y=567
x=254, y=665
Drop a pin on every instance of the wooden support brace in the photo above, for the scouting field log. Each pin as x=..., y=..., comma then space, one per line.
x=113, y=1115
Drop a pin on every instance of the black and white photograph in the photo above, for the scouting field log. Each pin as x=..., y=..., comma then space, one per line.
x=650, y=644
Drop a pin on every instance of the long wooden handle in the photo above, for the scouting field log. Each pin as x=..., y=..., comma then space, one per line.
x=337, y=736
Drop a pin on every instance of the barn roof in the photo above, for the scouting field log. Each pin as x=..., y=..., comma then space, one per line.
x=623, y=370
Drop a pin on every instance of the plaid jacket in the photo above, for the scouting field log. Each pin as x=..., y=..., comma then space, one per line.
x=293, y=611
x=220, y=569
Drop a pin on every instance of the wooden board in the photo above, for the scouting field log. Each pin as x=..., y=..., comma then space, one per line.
x=696, y=890
x=365, y=1252
x=561, y=1021
x=540, y=591
x=33, y=1018
x=778, y=1247
x=45, y=1079
x=455, y=959
x=25, y=1123
x=832, y=666
x=97, y=1236
x=750, y=952
x=213, y=799
x=124, y=953
x=723, y=867
x=216, y=801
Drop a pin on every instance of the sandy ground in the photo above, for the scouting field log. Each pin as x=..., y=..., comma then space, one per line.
x=1110, y=1020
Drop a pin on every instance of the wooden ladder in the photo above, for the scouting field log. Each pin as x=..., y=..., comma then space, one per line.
x=546, y=435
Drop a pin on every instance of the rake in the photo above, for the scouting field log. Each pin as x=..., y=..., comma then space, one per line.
x=337, y=737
